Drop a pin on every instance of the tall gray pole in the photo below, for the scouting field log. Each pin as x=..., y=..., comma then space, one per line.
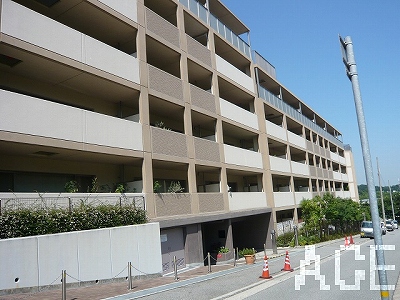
x=380, y=189
x=350, y=63
x=391, y=200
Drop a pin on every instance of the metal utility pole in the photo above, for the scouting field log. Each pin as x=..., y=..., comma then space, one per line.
x=380, y=189
x=351, y=71
x=391, y=200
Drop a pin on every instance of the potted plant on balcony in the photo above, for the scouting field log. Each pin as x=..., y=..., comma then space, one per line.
x=249, y=255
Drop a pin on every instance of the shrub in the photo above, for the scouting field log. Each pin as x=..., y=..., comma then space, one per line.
x=28, y=222
x=284, y=239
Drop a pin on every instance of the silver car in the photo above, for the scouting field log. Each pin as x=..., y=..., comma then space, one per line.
x=389, y=225
x=367, y=230
x=395, y=225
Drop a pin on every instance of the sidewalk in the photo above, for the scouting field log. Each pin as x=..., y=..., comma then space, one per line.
x=144, y=287
x=108, y=290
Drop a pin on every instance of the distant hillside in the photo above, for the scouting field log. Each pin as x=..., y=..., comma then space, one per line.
x=363, y=190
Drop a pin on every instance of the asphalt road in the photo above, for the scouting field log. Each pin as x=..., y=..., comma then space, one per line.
x=244, y=283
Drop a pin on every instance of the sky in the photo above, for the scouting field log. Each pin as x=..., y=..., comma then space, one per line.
x=300, y=39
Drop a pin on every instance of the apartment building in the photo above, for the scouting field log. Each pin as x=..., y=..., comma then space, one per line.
x=167, y=97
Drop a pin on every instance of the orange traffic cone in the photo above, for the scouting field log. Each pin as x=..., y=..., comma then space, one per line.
x=351, y=240
x=287, y=267
x=265, y=272
x=346, y=242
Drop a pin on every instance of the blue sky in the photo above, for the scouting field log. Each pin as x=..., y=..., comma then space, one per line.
x=300, y=38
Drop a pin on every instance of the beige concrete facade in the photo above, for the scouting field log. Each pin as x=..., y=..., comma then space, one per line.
x=163, y=96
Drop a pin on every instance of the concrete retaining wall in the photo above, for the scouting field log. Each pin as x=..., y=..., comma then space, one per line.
x=87, y=256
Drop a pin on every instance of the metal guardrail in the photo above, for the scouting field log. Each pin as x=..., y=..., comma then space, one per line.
x=69, y=201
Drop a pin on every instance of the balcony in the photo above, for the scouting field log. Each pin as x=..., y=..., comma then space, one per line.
x=282, y=199
x=67, y=123
x=206, y=150
x=33, y=28
x=201, y=12
x=279, y=164
x=295, y=114
x=211, y=202
x=168, y=142
x=128, y=8
x=238, y=114
x=299, y=196
x=296, y=140
x=264, y=64
x=234, y=74
x=198, y=51
x=172, y=204
x=165, y=85
x=68, y=200
x=202, y=99
x=300, y=168
x=242, y=157
x=162, y=28
x=343, y=194
x=276, y=131
x=246, y=200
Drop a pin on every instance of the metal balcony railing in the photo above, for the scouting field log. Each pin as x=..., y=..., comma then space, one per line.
x=200, y=11
x=280, y=104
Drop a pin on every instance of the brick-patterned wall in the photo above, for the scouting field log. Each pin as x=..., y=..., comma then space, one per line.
x=165, y=83
x=162, y=27
x=202, y=99
x=172, y=204
x=168, y=142
x=206, y=150
x=209, y=202
x=198, y=51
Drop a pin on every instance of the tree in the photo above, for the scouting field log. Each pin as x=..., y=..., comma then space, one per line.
x=344, y=214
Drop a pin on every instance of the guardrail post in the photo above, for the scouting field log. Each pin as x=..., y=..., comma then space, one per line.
x=70, y=204
x=175, y=268
x=234, y=257
x=209, y=262
x=64, y=284
x=130, y=285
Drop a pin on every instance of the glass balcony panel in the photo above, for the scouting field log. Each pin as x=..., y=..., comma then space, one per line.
x=203, y=13
x=214, y=22
x=193, y=6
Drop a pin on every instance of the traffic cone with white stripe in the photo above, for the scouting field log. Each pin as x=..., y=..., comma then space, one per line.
x=351, y=240
x=287, y=267
x=346, y=242
x=265, y=272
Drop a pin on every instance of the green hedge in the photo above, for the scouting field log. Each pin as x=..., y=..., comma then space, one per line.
x=28, y=222
x=284, y=239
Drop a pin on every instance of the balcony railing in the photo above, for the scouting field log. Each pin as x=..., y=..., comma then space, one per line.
x=87, y=127
x=264, y=64
x=162, y=28
x=234, y=73
x=246, y=200
x=242, y=157
x=65, y=41
x=13, y=201
x=198, y=50
x=200, y=11
x=238, y=114
x=202, y=99
x=280, y=104
x=165, y=83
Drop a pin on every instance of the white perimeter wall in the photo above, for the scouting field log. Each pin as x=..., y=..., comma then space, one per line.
x=85, y=255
